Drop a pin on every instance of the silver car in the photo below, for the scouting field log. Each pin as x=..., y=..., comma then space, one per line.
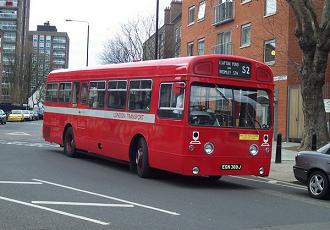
x=313, y=169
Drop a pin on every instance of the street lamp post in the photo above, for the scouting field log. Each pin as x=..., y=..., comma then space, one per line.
x=72, y=20
x=156, y=34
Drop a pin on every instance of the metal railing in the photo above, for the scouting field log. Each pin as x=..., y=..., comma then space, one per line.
x=224, y=48
x=223, y=12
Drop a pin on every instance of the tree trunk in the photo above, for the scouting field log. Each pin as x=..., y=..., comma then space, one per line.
x=313, y=77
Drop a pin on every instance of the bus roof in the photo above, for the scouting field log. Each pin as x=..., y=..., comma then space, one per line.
x=172, y=66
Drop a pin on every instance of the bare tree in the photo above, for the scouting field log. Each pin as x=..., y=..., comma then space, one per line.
x=127, y=45
x=313, y=32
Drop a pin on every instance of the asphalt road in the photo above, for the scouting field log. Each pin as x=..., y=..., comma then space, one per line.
x=41, y=188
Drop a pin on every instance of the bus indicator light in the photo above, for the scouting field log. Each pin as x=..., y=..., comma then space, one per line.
x=195, y=170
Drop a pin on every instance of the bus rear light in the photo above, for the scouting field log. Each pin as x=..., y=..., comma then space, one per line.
x=254, y=149
x=191, y=148
x=208, y=148
x=261, y=170
x=195, y=170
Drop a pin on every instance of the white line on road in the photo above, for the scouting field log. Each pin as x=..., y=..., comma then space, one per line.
x=279, y=183
x=55, y=211
x=84, y=204
x=18, y=134
x=28, y=144
x=18, y=182
x=110, y=197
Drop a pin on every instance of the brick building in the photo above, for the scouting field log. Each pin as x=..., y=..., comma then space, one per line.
x=168, y=35
x=262, y=30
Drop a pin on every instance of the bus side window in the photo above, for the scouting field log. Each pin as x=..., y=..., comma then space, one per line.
x=83, y=96
x=96, y=94
x=140, y=95
x=117, y=91
x=51, y=92
x=64, y=93
x=75, y=93
x=171, y=100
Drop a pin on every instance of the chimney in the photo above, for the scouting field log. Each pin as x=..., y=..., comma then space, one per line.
x=176, y=8
x=167, y=15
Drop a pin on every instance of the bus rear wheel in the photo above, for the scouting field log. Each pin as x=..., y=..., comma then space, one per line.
x=69, y=143
x=141, y=159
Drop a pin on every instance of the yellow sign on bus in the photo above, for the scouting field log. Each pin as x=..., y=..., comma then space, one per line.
x=248, y=137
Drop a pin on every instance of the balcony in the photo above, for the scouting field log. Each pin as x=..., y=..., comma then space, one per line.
x=223, y=13
x=224, y=48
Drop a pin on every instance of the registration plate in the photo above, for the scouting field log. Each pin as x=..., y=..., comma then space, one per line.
x=231, y=167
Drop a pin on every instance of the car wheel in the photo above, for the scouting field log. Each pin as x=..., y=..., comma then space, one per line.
x=141, y=159
x=318, y=185
x=69, y=143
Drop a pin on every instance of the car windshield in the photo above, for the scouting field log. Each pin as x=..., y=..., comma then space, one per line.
x=214, y=105
x=16, y=112
x=324, y=149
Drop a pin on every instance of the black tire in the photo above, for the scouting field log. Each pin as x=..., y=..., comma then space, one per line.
x=69, y=143
x=318, y=185
x=141, y=159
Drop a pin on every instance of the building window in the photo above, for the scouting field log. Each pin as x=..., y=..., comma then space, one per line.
x=223, y=12
x=270, y=7
x=201, y=46
x=190, y=49
x=201, y=10
x=246, y=35
x=224, y=45
x=191, y=15
x=178, y=34
x=269, y=52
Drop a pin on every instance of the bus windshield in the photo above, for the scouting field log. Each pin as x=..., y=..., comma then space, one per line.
x=223, y=106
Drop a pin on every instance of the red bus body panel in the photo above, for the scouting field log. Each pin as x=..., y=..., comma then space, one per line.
x=110, y=132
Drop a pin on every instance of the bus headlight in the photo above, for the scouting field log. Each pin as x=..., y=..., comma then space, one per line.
x=254, y=150
x=208, y=148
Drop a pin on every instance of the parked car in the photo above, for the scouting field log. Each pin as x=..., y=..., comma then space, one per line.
x=3, y=117
x=313, y=169
x=27, y=115
x=16, y=115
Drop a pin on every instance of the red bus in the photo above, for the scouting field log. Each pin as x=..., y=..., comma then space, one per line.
x=207, y=115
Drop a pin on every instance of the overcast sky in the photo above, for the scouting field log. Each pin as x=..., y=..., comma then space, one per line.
x=104, y=17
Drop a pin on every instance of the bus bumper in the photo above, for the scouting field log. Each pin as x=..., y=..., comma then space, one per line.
x=226, y=166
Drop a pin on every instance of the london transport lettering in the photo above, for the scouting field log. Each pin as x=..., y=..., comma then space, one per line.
x=231, y=68
x=129, y=116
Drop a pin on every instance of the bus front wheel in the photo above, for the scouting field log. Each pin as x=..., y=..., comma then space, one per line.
x=141, y=159
x=69, y=143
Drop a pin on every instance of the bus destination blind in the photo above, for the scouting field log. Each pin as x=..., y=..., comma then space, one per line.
x=230, y=68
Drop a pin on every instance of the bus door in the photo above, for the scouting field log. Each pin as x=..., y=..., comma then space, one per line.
x=82, y=106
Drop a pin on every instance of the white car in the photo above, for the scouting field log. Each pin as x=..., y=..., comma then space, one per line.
x=27, y=115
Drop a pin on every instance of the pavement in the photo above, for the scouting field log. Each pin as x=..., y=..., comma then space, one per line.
x=283, y=171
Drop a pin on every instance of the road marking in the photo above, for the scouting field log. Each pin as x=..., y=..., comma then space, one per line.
x=110, y=197
x=18, y=134
x=279, y=183
x=28, y=144
x=54, y=211
x=84, y=204
x=19, y=182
